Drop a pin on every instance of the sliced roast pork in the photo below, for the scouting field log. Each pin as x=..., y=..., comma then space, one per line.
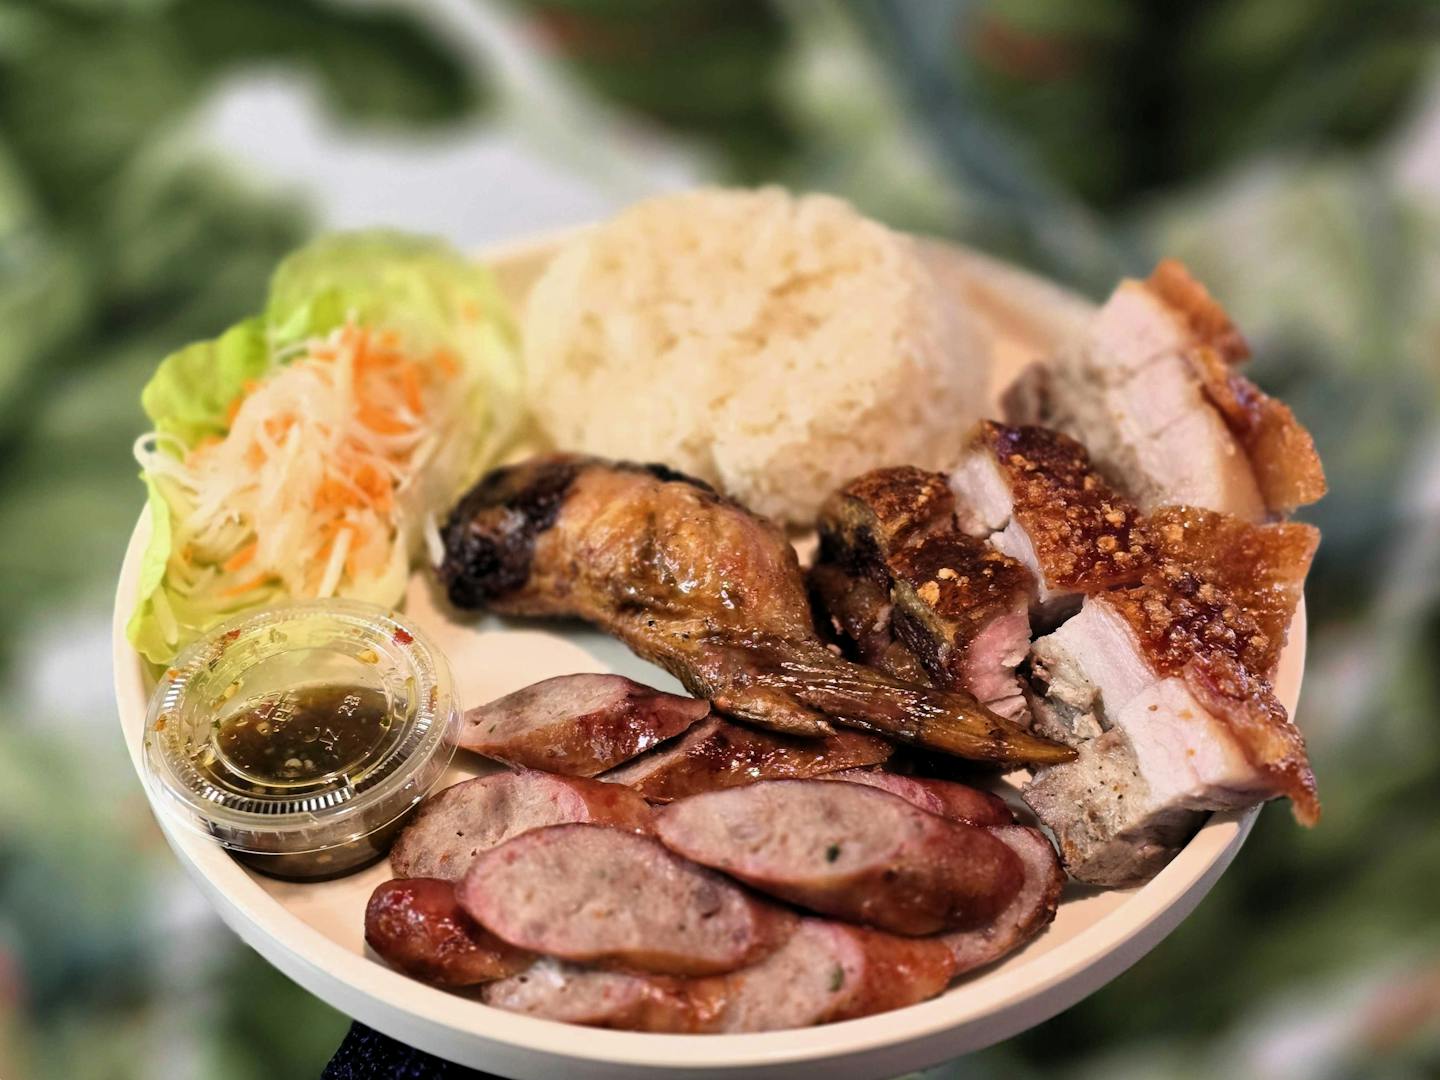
x=955, y=604
x=417, y=925
x=596, y=895
x=855, y=852
x=578, y=725
x=1163, y=688
x=1152, y=391
x=1034, y=495
x=456, y=824
x=717, y=754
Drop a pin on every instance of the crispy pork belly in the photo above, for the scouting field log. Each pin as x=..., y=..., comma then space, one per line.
x=903, y=584
x=1262, y=567
x=1033, y=494
x=1162, y=687
x=1152, y=391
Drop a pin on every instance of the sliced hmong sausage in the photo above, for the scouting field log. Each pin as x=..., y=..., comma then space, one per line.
x=577, y=725
x=829, y=971
x=825, y=971
x=855, y=852
x=944, y=798
x=717, y=754
x=416, y=925
x=595, y=895
x=1030, y=912
x=456, y=824
x=554, y=990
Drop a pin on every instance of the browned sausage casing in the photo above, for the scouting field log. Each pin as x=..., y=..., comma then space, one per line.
x=596, y=895
x=577, y=725
x=456, y=824
x=717, y=754
x=944, y=798
x=854, y=852
x=417, y=926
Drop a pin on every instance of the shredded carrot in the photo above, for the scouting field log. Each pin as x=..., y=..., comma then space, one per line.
x=246, y=586
x=380, y=420
x=447, y=362
x=241, y=558
x=410, y=388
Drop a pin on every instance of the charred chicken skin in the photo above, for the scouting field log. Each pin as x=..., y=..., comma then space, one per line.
x=697, y=584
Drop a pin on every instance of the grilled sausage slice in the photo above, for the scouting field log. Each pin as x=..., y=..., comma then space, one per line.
x=829, y=971
x=854, y=852
x=1031, y=911
x=825, y=971
x=595, y=895
x=718, y=754
x=554, y=990
x=454, y=825
x=577, y=725
x=944, y=798
x=416, y=925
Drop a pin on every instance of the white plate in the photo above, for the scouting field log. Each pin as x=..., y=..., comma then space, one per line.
x=313, y=933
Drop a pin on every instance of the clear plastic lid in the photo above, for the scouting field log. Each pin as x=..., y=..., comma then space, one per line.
x=302, y=728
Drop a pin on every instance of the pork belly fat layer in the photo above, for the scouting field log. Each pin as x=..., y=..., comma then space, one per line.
x=1167, y=722
x=1034, y=495
x=1151, y=391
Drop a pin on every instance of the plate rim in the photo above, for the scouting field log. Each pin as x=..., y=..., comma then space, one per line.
x=978, y=1012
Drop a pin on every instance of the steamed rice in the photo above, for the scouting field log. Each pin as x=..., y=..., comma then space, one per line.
x=774, y=346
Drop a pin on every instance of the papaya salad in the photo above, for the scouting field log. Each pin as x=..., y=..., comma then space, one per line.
x=300, y=453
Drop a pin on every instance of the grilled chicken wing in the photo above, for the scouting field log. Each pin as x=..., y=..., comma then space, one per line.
x=697, y=584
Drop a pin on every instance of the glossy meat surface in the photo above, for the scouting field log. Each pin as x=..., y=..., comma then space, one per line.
x=577, y=725
x=717, y=754
x=596, y=895
x=694, y=582
x=417, y=925
x=949, y=600
x=848, y=850
x=457, y=823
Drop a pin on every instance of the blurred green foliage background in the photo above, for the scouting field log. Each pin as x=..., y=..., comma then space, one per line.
x=1289, y=150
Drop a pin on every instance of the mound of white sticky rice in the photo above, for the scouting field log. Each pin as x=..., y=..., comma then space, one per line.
x=775, y=346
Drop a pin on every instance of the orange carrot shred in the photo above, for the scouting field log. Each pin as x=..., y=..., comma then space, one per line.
x=241, y=558
x=246, y=586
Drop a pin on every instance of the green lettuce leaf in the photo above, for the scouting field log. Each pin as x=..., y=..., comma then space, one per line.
x=190, y=393
x=421, y=288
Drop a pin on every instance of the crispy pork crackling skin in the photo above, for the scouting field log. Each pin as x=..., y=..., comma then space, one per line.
x=1152, y=390
x=848, y=850
x=901, y=581
x=459, y=822
x=578, y=725
x=1034, y=494
x=596, y=895
x=417, y=925
x=717, y=754
x=694, y=582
